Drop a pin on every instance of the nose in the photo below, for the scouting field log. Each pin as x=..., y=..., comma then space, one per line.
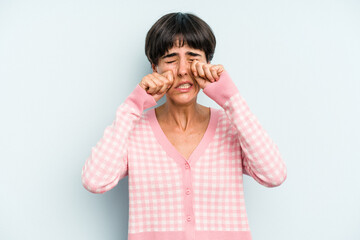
x=183, y=68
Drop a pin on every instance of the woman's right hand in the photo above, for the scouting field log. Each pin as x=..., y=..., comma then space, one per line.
x=157, y=84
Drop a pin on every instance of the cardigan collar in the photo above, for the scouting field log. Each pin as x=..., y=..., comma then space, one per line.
x=171, y=150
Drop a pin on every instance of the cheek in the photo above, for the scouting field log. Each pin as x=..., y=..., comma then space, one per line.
x=196, y=86
x=161, y=70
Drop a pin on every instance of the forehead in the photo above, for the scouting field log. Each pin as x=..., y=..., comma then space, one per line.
x=185, y=49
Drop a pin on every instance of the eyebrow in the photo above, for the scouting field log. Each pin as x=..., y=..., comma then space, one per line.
x=192, y=54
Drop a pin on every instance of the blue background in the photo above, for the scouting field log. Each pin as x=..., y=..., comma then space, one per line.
x=65, y=66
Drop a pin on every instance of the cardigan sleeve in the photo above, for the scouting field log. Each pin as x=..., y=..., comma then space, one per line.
x=107, y=163
x=261, y=158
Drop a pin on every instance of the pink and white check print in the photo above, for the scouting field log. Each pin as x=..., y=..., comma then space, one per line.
x=176, y=198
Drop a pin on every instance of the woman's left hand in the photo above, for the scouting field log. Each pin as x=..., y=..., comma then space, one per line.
x=205, y=73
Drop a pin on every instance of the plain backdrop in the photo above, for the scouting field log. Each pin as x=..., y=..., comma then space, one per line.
x=65, y=67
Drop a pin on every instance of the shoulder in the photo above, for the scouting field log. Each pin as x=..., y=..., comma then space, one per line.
x=224, y=124
x=146, y=117
x=142, y=129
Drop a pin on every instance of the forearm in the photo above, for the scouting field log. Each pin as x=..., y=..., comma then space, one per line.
x=107, y=163
x=260, y=155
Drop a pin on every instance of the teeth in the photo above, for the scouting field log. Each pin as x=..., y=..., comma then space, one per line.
x=186, y=85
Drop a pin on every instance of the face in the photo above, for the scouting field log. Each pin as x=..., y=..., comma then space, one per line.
x=178, y=59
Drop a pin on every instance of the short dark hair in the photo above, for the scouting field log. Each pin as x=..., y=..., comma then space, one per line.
x=185, y=27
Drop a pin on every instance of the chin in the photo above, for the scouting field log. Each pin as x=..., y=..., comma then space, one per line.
x=182, y=99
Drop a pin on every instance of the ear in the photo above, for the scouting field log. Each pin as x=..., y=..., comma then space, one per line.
x=153, y=66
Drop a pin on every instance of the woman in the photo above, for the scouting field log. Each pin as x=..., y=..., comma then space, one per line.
x=185, y=161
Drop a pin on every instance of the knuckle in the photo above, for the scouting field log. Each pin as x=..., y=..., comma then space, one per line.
x=145, y=79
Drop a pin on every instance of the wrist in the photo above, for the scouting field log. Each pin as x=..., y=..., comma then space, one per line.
x=140, y=99
x=221, y=90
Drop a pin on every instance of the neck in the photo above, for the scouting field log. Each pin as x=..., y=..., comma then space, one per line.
x=181, y=117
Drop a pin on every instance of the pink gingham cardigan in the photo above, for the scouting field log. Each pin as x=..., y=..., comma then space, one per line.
x=173, y=198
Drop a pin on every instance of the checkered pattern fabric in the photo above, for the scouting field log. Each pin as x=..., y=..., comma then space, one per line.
x=218, y=183
x=155, y=185
x=176, y=198
x=260, y=155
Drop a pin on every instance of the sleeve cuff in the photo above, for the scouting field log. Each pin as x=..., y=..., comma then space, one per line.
x=221, y=90
x=140, y=99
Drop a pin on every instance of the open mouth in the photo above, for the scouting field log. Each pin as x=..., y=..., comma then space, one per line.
x=184, y=86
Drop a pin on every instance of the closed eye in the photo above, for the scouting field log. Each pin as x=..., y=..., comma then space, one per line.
x=191, y=60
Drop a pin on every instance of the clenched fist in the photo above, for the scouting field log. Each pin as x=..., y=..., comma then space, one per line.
x=205, y=73
x=157, y=84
